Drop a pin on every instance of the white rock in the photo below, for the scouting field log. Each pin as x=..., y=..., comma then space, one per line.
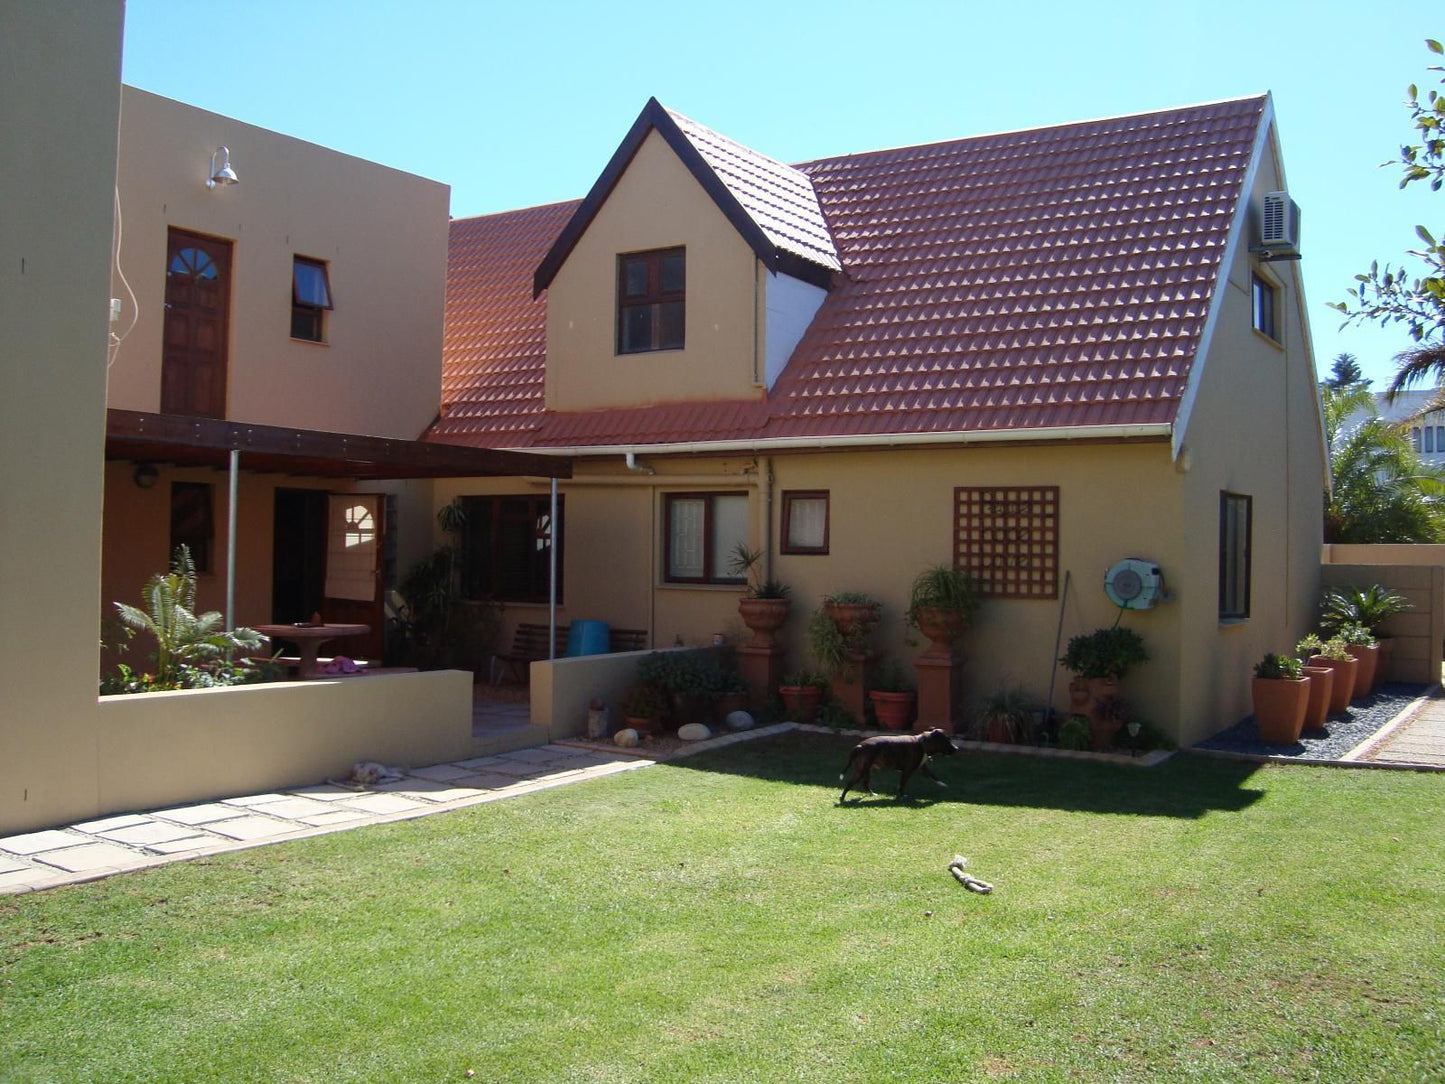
x=739, y=720
x=693, y=732
x=626, y=738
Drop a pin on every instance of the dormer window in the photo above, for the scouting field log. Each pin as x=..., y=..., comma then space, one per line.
x=310, y=299
x=650, y=294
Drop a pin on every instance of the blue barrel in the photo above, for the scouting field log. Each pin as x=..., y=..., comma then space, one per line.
x=587, y=638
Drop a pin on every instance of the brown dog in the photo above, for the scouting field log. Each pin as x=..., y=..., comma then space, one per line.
x=905, y=753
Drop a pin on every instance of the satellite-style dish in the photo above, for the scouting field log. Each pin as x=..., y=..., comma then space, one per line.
x=1134, y=584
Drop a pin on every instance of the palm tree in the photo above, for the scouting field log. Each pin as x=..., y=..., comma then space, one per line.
x=1415, y=365
x=1381, y=490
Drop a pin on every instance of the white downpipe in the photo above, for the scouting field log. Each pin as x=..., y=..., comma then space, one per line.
x=231, y=539
x=630, y=460
x=552, y=580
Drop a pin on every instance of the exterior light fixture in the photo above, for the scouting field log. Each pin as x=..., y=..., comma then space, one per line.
x=221, y=171
x=145, y=475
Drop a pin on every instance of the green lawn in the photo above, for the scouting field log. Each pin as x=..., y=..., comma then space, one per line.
x=722, y=919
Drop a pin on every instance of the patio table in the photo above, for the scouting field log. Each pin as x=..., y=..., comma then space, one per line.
x=309, y=638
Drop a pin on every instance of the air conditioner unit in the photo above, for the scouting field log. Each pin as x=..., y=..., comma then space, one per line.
x=1279, y=224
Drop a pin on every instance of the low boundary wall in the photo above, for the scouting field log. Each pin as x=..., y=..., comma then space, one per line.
x=562, y=689
x=1418, y=633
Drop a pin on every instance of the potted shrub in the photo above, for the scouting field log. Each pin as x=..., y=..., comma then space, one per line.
x=1005, y=716
x=644, y=707
x=764, y=606
x=1360, y=643
x=685, y=676
x=1106, y=721
x=1333, y=655
x=1100, y=659
x=729, y=695
x=1369, y=606
x=1074, y=733
x=892, y=698
x=1322, y=684
x=940, y=605
x=801, y=691
x=827, y=645
x=1281, y=693
x=854, y=613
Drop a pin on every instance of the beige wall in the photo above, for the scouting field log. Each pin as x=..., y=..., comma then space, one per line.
x=1254, y=430
x=656, y=204
x=59, y=98
x=383, y=234
x=1418, y=634
x=161, y=749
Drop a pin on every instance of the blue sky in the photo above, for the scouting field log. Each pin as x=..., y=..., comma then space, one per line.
x=514, y=105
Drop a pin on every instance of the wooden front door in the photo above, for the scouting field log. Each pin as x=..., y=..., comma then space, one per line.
x=353, y=593
x=197, y=318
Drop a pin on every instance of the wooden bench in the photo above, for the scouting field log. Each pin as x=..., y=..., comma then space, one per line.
x=529, y=645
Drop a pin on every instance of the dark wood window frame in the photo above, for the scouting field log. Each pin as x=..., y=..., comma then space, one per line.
x=193, y=523
x=485, y=573
x=1234, y=596
x=1263, y=295
x=785, y=543
x=711, y=561
x=653, y=299
x=308, y=321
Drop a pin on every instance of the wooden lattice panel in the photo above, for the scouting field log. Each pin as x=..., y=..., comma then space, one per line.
x=1008, y=537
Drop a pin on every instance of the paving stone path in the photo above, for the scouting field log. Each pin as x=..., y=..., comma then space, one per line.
x=99, y=848
x=1419, y=739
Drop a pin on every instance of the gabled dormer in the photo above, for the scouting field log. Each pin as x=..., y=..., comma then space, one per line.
x=688, y=273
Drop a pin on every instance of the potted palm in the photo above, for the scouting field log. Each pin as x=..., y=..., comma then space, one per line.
x=1369, y=606
x=892, y=698
x=1332, y=653
x=764, y=606
x=1281, y=693
x=1322, y=683
x=941, y=604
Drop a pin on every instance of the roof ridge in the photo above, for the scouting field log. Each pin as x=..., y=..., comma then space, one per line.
x=514, y=210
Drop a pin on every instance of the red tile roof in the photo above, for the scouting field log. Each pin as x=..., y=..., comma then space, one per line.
x=1052, y=278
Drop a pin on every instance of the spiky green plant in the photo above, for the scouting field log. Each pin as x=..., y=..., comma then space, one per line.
x=183, y=637
x=1368, y=606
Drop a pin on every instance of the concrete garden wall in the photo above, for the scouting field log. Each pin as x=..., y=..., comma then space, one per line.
x=562, y=690
x=1419, y=633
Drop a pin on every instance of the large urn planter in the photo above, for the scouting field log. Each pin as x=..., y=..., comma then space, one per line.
x=894, y=710
x=851, y=618
x=942, y=627
x=1344, y=687
x=1322, y=684
x=1279, y=708
x=800, y=701
x=1093, y=698
x=1368, y=656
x=763, y=617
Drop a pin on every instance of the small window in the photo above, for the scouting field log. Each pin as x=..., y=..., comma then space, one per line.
x=1262, y=292
x=1429, y=438
x=651, y=287
x=191, y=522
x=310, y=299
x=1415, y=437
x=703, y=530
x=1235, y=513
x=805, y=522
x=1440, y=438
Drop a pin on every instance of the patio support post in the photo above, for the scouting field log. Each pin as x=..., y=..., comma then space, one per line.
x=231, y=540
x=552, y=580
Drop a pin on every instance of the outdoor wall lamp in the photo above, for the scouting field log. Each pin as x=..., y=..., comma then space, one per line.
x=221, y=171
x=145, y=475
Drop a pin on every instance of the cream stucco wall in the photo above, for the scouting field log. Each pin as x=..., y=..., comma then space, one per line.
x=383, y=234
x=1254, y=430
x=58, y=134
x=656, y=204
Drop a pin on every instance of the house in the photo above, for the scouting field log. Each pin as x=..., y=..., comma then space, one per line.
x=1427, y=429
x=1029, y=354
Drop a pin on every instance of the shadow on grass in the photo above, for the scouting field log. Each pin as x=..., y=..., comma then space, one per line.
x=1186, y=786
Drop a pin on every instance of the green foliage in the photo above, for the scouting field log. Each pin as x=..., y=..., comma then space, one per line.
x=1278, y=667
x=852, y=598
x=892, y=677
x=644, y=701
x=835, y=715
x=797, y=679
x=1335, y=649
x=1368, y=606
x=1008, y=709
x=1074, y=733
x=1309, y=645
x=1105, y=653
x=1345, y=373
x=826, y=643
x=1392, y=294
x=748, y=562
x=689, y=673
x=952, y=590
x=192, y=650
x=1355, y=635
x=434, y=626
x=1381, y=491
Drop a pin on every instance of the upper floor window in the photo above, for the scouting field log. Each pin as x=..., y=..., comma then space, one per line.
x=310, y=299
x=650, y=292
x=1262, y=293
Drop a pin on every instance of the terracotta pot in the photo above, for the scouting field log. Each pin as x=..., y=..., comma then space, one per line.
x=942, y=627
x=893, y=709
x=1345, y=670
x=763, y=617
x=800, y=701
x=1322, y=684
x=1102, y=732
x=724, y=704
x=643, y=726
x=1368, y=656
x=1085, y=693
x=1004, y=731
x=851, y=617
x=1279, y=708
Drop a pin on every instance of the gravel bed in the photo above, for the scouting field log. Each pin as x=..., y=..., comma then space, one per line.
x=1341, y=734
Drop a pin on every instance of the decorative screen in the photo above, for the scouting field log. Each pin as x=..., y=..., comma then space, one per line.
x=1008, y=538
